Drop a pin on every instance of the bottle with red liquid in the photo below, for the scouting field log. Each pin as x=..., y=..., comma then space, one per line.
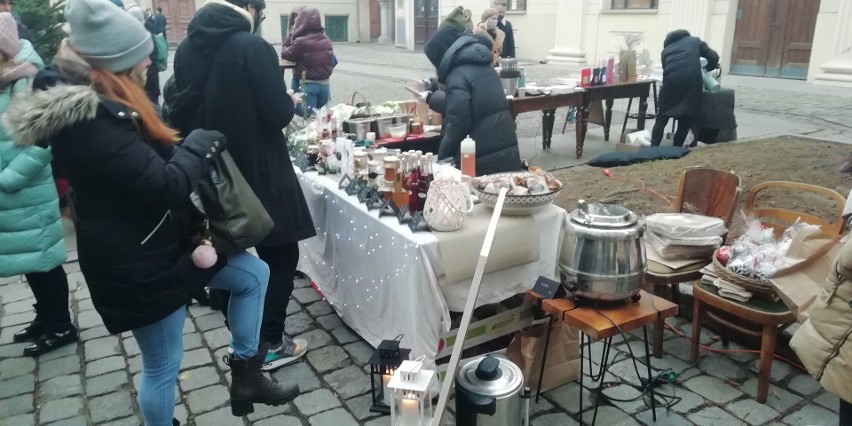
x=414, y=185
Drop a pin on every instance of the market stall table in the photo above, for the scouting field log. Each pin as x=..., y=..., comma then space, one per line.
x=603, y=322
x=426, y=142
x=548, y=104
x=609, y=93
x=385, y=280
x=285, y=64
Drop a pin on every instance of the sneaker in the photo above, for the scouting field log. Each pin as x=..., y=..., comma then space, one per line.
x=51, y=340
x=288, y=351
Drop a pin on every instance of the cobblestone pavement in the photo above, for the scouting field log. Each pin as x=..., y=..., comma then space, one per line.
x=93, y=381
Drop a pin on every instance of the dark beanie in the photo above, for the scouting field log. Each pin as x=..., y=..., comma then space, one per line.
x=438, y=45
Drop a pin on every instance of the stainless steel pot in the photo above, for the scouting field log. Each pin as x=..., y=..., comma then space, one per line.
x=603, y=255
x=489, y=391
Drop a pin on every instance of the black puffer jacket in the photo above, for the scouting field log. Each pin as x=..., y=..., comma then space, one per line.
x=473, y=102
x=134, y=218
x=309, y=47
x=680, y=95
x=246, y=99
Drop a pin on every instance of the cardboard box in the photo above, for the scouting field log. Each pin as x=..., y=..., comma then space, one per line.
x=622, y=144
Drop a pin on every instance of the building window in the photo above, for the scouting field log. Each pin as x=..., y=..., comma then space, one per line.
x=634, y=4
x=514, y=5
x=517, y=5
x=285, y=26
x=337, y=27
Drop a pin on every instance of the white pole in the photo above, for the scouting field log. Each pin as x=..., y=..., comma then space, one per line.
x=468, y=309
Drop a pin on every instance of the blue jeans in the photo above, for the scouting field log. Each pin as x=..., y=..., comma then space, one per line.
x=161, y=343
x=316, y=96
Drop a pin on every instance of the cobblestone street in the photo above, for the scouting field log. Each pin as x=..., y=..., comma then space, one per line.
x=92, y=382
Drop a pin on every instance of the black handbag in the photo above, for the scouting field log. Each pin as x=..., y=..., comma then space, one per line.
x=237, y=219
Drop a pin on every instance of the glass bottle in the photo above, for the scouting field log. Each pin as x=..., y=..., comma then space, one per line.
x=414, y=185
x=390, y=177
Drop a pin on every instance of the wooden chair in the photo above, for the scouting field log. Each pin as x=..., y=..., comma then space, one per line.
x=768, y=317
x=703, y=191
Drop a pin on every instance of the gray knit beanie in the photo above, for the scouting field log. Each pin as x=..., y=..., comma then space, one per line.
x=106, y=36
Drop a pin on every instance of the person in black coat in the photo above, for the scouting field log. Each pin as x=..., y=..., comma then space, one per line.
x=132, y=177
x=680, y=95
x=472, y=101
x=245, y=98
x=504, y=25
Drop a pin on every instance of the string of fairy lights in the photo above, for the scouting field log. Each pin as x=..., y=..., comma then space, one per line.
x=371, y=286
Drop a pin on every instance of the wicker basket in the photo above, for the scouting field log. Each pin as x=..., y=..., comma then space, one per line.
x=760, y=288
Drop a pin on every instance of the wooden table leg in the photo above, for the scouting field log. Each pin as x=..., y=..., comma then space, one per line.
x=697, y=313
x=643, y=108
x=582, y=125
x=548, y=117
x=659, y=325
x=767, y=351
x=607, y=118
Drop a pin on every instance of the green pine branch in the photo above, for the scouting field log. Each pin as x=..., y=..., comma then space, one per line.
x=45, y=20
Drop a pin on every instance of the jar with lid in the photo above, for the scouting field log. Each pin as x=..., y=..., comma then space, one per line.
x=359, y=164
x=390, y=176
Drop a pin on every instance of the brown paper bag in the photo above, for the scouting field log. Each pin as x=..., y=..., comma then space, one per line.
x=808, y=262
x=596, y=113
x=627, y=65
x=563, y=355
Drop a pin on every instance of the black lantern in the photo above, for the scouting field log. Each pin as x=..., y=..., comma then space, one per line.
x=384, y=361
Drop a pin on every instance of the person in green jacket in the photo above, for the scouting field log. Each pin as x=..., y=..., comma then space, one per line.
x=31, y=241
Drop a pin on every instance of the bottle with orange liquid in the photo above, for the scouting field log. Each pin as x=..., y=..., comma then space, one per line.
x=468, y=157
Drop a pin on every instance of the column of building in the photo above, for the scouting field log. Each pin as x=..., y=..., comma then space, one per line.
x=570, y=17
x=838, y=70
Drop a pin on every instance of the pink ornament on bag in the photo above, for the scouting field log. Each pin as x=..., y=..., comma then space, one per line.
x=204, y=256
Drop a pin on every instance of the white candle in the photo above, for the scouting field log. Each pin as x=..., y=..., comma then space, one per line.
x=410, y=412
x=385, y=391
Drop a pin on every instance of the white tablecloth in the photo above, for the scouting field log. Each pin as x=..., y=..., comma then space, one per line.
x=382, y=279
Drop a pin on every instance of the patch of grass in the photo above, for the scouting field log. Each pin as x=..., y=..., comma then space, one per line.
x=783, y=158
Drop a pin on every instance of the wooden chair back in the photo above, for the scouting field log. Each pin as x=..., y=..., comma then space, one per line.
x=708, y=192
x=780, y=219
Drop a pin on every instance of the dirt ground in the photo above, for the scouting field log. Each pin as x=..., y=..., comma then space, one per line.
x=777, y=159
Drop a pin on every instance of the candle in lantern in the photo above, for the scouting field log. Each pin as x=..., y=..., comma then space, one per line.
x=385, y=391
x=410, y=412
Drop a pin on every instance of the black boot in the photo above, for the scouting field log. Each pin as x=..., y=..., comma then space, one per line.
x=54, y=338
x=32, y=331
x=250, y=385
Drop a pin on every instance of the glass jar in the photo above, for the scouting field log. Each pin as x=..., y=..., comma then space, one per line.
x=359, y=164
x=313, y=154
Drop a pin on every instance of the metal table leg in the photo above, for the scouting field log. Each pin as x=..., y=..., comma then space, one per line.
x=650, y=377
x=543, y=358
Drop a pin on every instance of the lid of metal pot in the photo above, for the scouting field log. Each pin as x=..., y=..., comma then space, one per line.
x=492, y=376
x=603, y=215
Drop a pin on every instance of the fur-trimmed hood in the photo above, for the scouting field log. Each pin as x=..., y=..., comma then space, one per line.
x=36, y=115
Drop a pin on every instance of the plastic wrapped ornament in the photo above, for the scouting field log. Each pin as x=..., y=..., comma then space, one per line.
x=739, y=250
x=743, y=266
x=723, y=255
x=764, y=270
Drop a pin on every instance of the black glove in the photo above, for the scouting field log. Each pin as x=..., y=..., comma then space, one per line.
x=205, y=143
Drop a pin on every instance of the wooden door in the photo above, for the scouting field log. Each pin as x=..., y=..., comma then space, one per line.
x=425, y=20
x=796, y=40
x=773, y=38
x=178, y=14
x=375, y=19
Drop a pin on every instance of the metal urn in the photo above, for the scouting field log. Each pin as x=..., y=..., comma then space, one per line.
x=603, y=253
x=490, y=391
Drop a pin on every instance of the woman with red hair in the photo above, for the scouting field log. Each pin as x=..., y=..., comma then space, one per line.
x=132, y=177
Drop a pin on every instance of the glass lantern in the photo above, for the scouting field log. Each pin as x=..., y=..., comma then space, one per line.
x=412, y=394
x=383, y=363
